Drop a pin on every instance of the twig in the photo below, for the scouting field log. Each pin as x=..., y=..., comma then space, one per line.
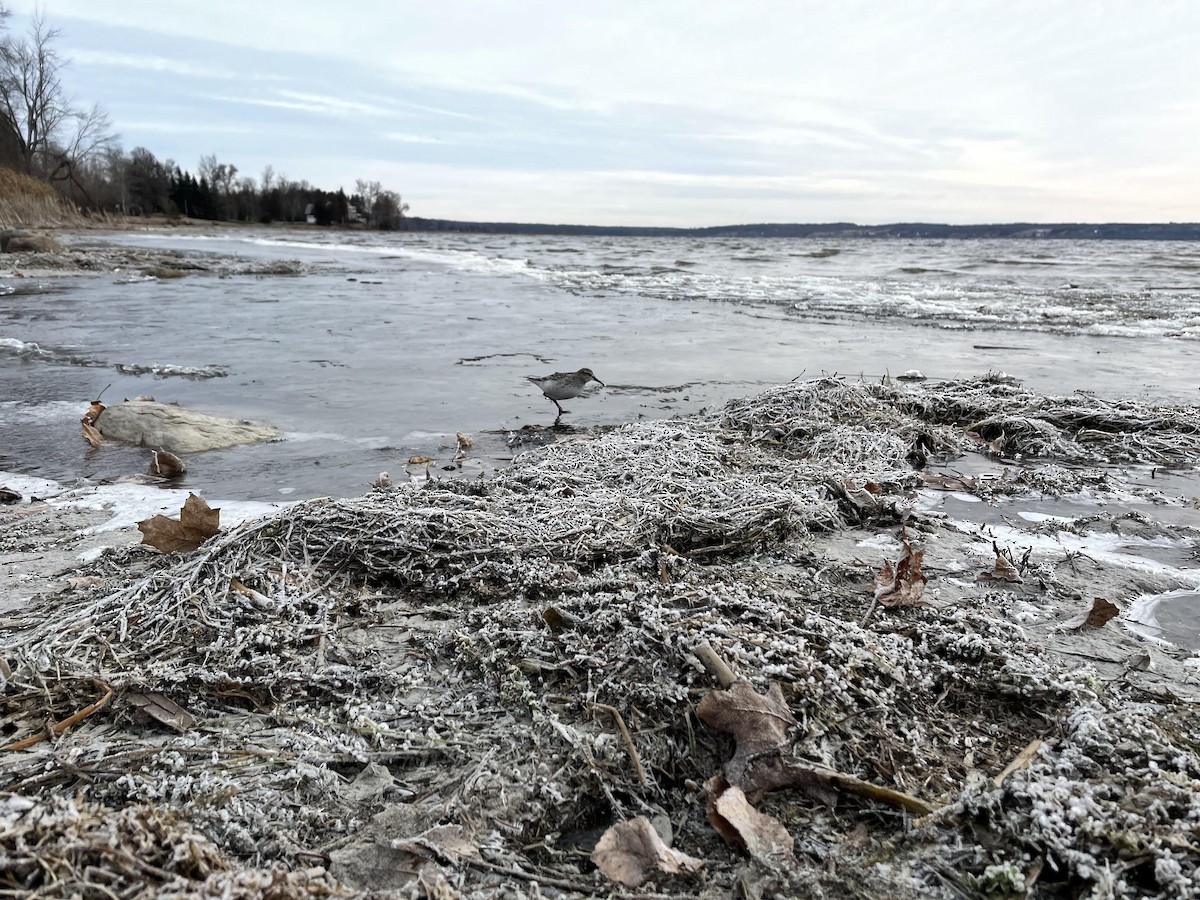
x=633, y=754
x=59, y=728
x=1020, y=761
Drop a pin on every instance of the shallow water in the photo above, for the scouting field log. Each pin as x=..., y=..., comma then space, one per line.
x=392, y=343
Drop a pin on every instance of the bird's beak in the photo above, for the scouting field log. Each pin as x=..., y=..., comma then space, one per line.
x=598, y=381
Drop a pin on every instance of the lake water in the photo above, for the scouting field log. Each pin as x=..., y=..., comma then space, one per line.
x=389, y=344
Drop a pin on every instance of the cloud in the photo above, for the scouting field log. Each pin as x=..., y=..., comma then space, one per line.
x=147, y=63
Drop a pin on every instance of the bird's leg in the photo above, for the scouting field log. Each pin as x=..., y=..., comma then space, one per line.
x=559, y=408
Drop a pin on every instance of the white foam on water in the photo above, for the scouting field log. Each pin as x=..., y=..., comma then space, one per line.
x=1142, y=616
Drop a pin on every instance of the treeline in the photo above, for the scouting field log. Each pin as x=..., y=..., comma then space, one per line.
x=43, y=134
x=139, y=184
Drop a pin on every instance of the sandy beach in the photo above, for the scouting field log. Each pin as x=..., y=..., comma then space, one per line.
x=839, y=638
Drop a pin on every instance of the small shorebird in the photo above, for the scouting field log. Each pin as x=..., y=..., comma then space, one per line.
x=564, y=386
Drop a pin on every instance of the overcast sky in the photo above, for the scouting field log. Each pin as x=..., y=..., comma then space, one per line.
x=668, y=112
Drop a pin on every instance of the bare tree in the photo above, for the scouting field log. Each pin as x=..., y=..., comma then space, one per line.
x=388, y=210
x=53, y=138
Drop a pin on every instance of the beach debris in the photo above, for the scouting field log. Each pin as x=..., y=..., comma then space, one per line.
x=91, y=434
x=901, y=583
x=8, y=495
x=465, y=442
x=630, y=852
x=166, y=465
x=383, y=481
x=408, y=629
x=1003, y=569
x=197, y=522
x=53, y=731
x=161, y=709
x=421, y=460
x=740, y=825
x=424, y=860
x=1095, y=616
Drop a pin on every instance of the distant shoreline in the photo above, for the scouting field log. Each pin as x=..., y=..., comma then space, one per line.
x=1112, y=231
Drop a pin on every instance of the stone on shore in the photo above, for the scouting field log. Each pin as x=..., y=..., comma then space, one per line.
x=177, y=429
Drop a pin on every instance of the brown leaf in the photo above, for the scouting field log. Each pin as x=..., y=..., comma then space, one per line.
x=421, y=460
x=741, y=825
x=92, y=434
x=166, y=465
x=760, y=723
x=901, y=583
x=162, y=709
x=1100, y=612
x=630, y=851
x=93, y=413
x=1003, y=570
x=197, y=523
x=464, y=441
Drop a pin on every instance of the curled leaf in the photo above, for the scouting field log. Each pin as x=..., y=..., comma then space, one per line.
x=901, y=583
x=629, y=852
x=741, y=825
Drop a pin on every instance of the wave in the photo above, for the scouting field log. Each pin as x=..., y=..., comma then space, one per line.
x=32, y=351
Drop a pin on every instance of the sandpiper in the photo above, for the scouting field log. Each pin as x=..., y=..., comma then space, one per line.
x=564, y=386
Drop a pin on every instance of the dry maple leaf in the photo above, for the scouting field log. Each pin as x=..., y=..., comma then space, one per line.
x=761, y=724
x=197, y=522
x=91, y=434
x=630, y=851
x=901, y=583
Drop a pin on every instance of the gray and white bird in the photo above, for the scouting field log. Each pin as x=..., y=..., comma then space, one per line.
x=564, y=386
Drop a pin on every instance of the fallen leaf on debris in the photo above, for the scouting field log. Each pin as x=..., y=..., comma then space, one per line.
x=464, y=441
x=163, y=710
x=443, y=844
x=901, y=583
x=761, y=725
x=763, y=837
x=421, y=460
x=765, y=758
x=166, y=465
x=92, y=434
x=630, y=851
x=1002, y=570
x=1101, y=611
x=961, y=484
x=197, y=522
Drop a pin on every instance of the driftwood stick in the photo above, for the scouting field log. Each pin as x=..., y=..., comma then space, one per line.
x=716, y=666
